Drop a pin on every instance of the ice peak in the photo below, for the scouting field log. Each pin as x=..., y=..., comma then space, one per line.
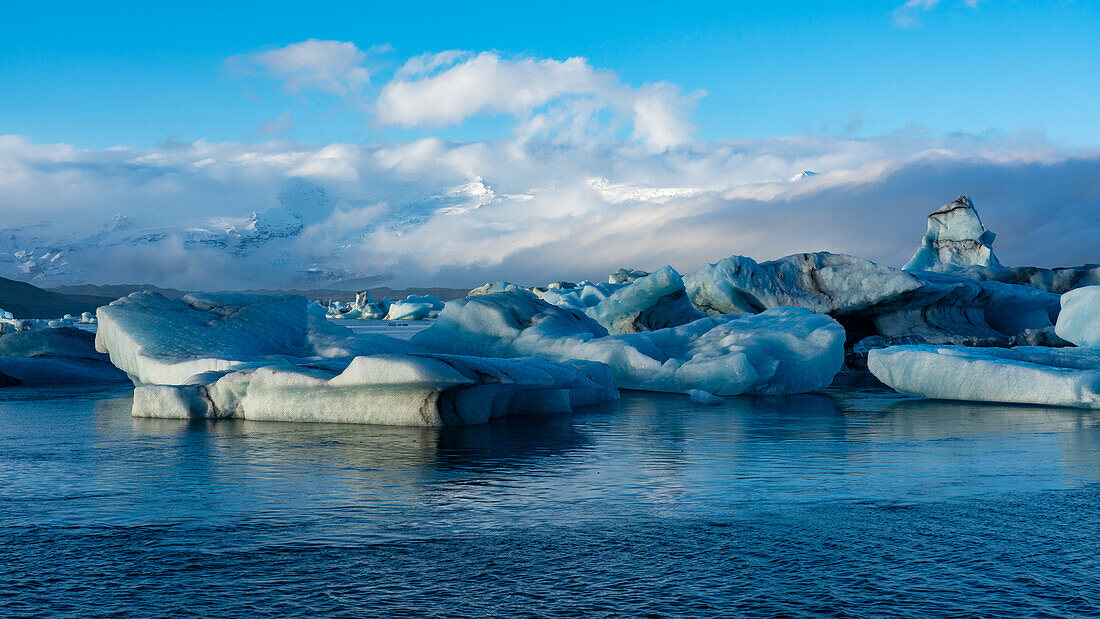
x=955, y=238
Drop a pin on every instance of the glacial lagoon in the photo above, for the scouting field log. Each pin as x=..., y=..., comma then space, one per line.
x=854, y=501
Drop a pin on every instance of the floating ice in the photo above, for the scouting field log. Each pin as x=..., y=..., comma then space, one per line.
x=650, y=302
x=955, y=238
x=276, y=357
x=625, y=276
x=1079, y=321
x=414, y=308
x=364, y=308
x=786, y=350
x=871, y=299
x=11, y=324
x=1025, y=374
x=53, y=356
x=406, y=390
x=958, y=243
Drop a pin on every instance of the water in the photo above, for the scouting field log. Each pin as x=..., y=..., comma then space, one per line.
x=854, y=503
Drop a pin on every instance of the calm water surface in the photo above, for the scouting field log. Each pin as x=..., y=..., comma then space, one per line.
x=851, y=503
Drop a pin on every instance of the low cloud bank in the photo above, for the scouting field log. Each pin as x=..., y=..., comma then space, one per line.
x=460, y=213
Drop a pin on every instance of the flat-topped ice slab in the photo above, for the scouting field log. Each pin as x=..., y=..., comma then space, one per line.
x=1021, y=375
x=278, y=358
x=389, y=389
x=156, y=340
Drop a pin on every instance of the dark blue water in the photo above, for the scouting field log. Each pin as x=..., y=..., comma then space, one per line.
x=855, y=503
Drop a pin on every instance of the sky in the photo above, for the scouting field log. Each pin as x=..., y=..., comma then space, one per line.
x=453, y=143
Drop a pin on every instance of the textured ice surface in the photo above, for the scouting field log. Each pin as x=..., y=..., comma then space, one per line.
x=277, y=357
x=871, y=299
x=786, y=350
x=955, y=238
x=1026, y=374
x=1079, y=321
x=161, y=341
x=625, y=276
x=958, y=243
x=11, y=324
x=650, y=302
x=414, y=308
x=53, y=356
x=390, y=389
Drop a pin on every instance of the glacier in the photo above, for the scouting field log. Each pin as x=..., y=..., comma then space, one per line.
x=784, y=350
x=274, y=357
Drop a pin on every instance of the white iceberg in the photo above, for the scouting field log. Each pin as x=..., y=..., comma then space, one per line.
x=276, y=357
x=11, y=324
x=1022, y=375
x=958, y=243
x=363, y=308
x=1025, y=374
x=388, y=389
x=414, y=308
x=1079, y=321
x=955, y=238
x=785, y=350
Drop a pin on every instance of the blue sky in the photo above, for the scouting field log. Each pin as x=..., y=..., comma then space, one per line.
x=451, y=144
x=134, y=74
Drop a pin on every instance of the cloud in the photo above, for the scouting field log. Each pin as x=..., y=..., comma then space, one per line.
x=460, y=213
x=546, y=96
x=908, y=14
x=335, y=67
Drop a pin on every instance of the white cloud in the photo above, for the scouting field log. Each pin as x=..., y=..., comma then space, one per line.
x=438, y=212
x=450, y=87
x=335, y=67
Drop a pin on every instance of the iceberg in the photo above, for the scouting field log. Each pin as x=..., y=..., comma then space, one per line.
x=277, y=357
x=1079, y=321
x=414, y=308
x=61, y=355
x=784, y=350
x=1025, y=374
x=625, y=276
x=11, y=324
x=387, y=389
x=955, y=238
x=1021, y=375
x=364, y=308
x=871, y=299
x=958, y=243
x=650, y=302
